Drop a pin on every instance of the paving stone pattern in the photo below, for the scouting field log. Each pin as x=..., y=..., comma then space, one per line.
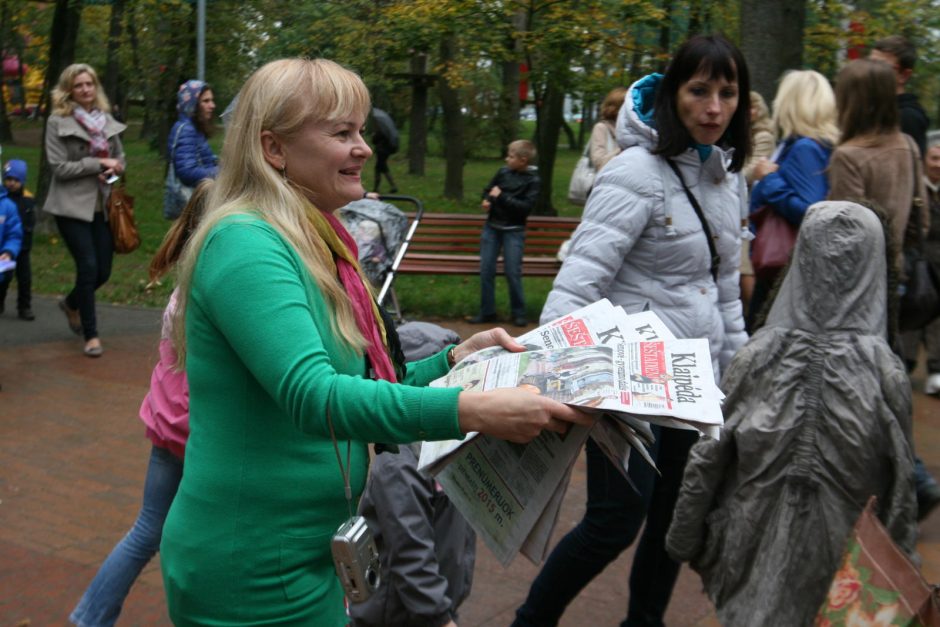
x=73, y=457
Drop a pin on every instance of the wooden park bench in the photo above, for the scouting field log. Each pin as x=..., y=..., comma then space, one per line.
x=449, y=243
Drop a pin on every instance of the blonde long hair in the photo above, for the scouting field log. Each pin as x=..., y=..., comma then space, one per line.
x=280, y=97
x=62, y=103
x=806, y=105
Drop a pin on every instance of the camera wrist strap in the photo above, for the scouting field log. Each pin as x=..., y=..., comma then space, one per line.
x=345, y=472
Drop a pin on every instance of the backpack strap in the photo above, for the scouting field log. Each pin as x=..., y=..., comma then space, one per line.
x=176, y=140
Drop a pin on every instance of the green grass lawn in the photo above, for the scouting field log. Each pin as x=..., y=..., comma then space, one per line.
x=421, y=297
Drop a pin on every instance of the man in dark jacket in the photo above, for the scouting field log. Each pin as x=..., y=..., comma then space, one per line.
x=900, y=54
x=385, y=144
x=508, y=199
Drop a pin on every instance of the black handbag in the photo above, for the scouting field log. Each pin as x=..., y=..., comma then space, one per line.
x=920, y=298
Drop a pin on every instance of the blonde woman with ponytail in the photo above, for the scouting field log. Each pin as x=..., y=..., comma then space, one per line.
x=284, y=347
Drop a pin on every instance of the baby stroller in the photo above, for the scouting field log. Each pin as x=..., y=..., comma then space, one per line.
x=382, y=233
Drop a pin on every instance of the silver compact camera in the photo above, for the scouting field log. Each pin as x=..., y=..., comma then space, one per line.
x=356, y=559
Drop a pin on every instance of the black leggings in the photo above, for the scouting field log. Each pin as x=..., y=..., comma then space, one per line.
x=92, y=248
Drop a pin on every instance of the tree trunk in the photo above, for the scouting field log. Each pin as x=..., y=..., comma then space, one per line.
x=453, y=124
x=587, y=121
x=665, y=36
x=771, y=40
x=509, y=101
x=509, y=105
x=696, y=18
x=62, y=38
x=418, y=120
x=550, y=118
x=136, y=68
x=112, y=82
x=569, y=133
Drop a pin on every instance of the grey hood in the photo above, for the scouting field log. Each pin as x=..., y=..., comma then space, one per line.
x=838, y=280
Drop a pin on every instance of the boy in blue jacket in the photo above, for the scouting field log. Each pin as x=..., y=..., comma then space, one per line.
x=11, y=236
x=508, y=200
x=14, y=186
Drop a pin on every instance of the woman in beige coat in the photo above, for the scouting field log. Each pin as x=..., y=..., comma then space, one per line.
x=85, y=155
x=604, y=145
x=874, y=160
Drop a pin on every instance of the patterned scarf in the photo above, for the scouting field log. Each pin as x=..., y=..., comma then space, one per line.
x=368, y=318
x=93, y=122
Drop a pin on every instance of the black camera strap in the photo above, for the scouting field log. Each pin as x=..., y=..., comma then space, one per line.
x=344, y=471
x=716, y=259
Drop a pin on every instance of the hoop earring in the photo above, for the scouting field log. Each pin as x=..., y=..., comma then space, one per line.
x=284, y=171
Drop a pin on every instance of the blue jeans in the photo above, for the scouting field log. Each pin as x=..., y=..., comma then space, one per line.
x=615, y=512
x=92, y=248
x=512, y=243
x=102, y=601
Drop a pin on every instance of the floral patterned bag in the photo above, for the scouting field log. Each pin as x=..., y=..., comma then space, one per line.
x=877, y=584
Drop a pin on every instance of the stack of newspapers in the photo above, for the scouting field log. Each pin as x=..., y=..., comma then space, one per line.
x=627, y=367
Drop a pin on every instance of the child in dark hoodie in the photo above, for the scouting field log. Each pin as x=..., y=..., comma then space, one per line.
x=508, y=199
x=14, y=182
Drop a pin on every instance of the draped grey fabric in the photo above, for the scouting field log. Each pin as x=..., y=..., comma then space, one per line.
x=818, y=414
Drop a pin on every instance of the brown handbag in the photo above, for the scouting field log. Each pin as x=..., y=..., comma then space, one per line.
x=877, y=584
x=121, y=219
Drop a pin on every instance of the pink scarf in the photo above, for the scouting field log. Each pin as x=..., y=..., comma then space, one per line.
x=364, y=306
x=94, y=122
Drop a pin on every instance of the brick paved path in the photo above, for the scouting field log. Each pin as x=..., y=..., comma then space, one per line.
x=73, y=457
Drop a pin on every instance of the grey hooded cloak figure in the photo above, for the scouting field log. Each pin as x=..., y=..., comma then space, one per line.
x=818, y=418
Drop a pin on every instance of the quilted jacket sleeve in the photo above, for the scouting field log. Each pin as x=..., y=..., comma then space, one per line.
x=729, y=295
x=193, y=159
x=800, y=181
x=614, y=218
x=11, y=229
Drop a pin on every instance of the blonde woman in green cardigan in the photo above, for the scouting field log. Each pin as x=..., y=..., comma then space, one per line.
x=280, y=333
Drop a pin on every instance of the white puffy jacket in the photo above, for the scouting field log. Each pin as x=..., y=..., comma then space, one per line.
x=623, y=249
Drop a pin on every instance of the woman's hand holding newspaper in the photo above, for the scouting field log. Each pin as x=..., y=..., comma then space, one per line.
x=515, y=414
x=484, y=339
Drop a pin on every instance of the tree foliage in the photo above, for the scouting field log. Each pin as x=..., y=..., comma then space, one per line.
x=450, y=70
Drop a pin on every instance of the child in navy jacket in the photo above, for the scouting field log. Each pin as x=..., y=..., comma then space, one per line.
x=508, y=199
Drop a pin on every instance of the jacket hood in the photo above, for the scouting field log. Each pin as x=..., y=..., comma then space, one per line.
x=187, y=98
x=635, y=125
x=837, y=279
x=15, y=169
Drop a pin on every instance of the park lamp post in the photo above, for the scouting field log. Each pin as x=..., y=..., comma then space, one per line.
x=201, y=40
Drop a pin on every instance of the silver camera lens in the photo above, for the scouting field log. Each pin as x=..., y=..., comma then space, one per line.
x=373, y=579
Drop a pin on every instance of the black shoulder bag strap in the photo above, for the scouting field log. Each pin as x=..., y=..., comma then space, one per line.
x=716, y=259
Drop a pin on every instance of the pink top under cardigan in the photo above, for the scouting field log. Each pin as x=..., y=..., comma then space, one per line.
x=165, y=409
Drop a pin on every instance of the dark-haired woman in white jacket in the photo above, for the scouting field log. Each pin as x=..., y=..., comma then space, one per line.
x=642, y=244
